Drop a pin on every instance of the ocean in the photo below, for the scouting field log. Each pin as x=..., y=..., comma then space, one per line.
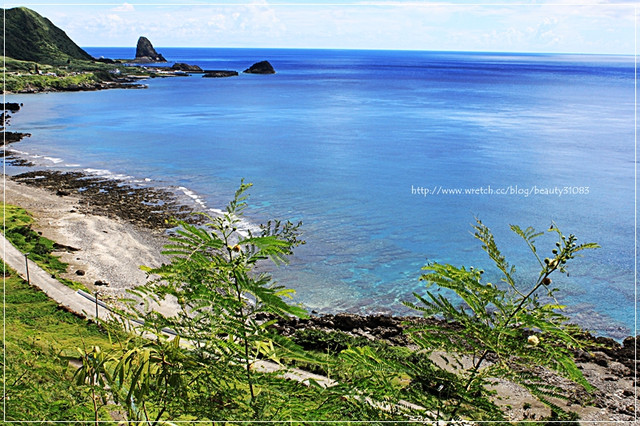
x=386, y=156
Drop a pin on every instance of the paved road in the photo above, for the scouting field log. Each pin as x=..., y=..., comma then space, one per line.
x=63, y=295
x=82, y=303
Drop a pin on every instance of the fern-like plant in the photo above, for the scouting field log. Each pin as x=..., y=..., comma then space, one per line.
x=213, y=277
x=505, y=331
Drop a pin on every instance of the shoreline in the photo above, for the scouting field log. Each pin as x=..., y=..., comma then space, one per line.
x=98, y=248
x=102, y=247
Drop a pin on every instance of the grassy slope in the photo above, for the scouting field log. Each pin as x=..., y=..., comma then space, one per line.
x=38, y=381
x=31, y=37
x=18, y=230
x=15, y=83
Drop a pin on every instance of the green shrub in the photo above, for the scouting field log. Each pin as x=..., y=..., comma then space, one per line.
x=509, y=324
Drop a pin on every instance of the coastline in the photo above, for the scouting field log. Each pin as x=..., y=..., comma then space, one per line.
x=96, y=247
x=380, y=268
x=109, y=249
x=106, y=228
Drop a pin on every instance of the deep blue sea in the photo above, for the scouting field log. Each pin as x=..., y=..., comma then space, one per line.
x=349, y=142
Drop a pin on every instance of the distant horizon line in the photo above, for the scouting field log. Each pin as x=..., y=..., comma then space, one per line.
x=375, y=50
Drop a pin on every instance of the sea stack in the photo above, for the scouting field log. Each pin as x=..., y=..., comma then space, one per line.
x=146, y=53
x=263, y=67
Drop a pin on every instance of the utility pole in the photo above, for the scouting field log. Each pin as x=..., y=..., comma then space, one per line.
x=26, y=264
x=96, y=298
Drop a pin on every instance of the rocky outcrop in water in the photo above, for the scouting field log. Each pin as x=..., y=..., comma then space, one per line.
x=11, y=106
x=108, y=60
x=181, y=66
x=5, y=136
x=146, y=53
x=11, y=137
x=263, y=67
x=219, y=73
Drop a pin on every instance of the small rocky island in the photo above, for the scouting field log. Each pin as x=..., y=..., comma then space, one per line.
x=145, y=53
x=220, y=73
x=181, y=66
x=263, y=67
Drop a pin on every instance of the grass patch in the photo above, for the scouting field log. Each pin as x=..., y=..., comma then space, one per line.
x=39, y=382
x=16, y=83
x=19, y=232
x=20, y=75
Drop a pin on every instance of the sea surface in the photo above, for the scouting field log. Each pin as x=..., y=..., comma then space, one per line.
x=368, y=149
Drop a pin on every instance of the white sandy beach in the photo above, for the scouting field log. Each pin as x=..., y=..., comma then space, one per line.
x=109, y=250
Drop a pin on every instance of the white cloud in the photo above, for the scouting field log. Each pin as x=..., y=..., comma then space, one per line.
x=126, y=7
x=589, y=26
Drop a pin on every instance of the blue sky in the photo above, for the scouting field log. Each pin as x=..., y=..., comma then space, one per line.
x=562, y=26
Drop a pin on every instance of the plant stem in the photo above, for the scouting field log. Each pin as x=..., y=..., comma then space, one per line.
x=95, y=405
x=474, y=373
x=243, y=319
x=159, y=415
x=525, y=298
x=144, y=409
x=246, y=347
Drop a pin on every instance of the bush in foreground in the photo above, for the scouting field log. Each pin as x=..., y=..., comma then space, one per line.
x=211, y=366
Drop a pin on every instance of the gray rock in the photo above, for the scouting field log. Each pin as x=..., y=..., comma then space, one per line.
x=219, y=73
x=263, y=67
x=146, y=53
x=181, y=66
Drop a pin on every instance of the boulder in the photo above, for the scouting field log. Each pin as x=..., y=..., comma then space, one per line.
x=11, y=137
x=219, y=73
x=181, y=66
x=146, y=53
x=11, y=106
x=263, y=67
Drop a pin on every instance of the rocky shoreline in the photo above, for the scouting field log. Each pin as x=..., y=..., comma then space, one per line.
x=610, y=366
x=10, y=137
x=147, y=207
x=391, y=329
x=126, y=83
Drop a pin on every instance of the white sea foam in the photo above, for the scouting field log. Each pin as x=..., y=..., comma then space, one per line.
x=108, y=174
x=41, y=160
x=245, y=225
x=195, y=197
x=99, y=172
x=54, y=160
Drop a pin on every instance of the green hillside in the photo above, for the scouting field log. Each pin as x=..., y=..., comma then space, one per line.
x=31, y=37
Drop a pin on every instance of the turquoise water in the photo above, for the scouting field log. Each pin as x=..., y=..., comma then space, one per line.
x=338, y=139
